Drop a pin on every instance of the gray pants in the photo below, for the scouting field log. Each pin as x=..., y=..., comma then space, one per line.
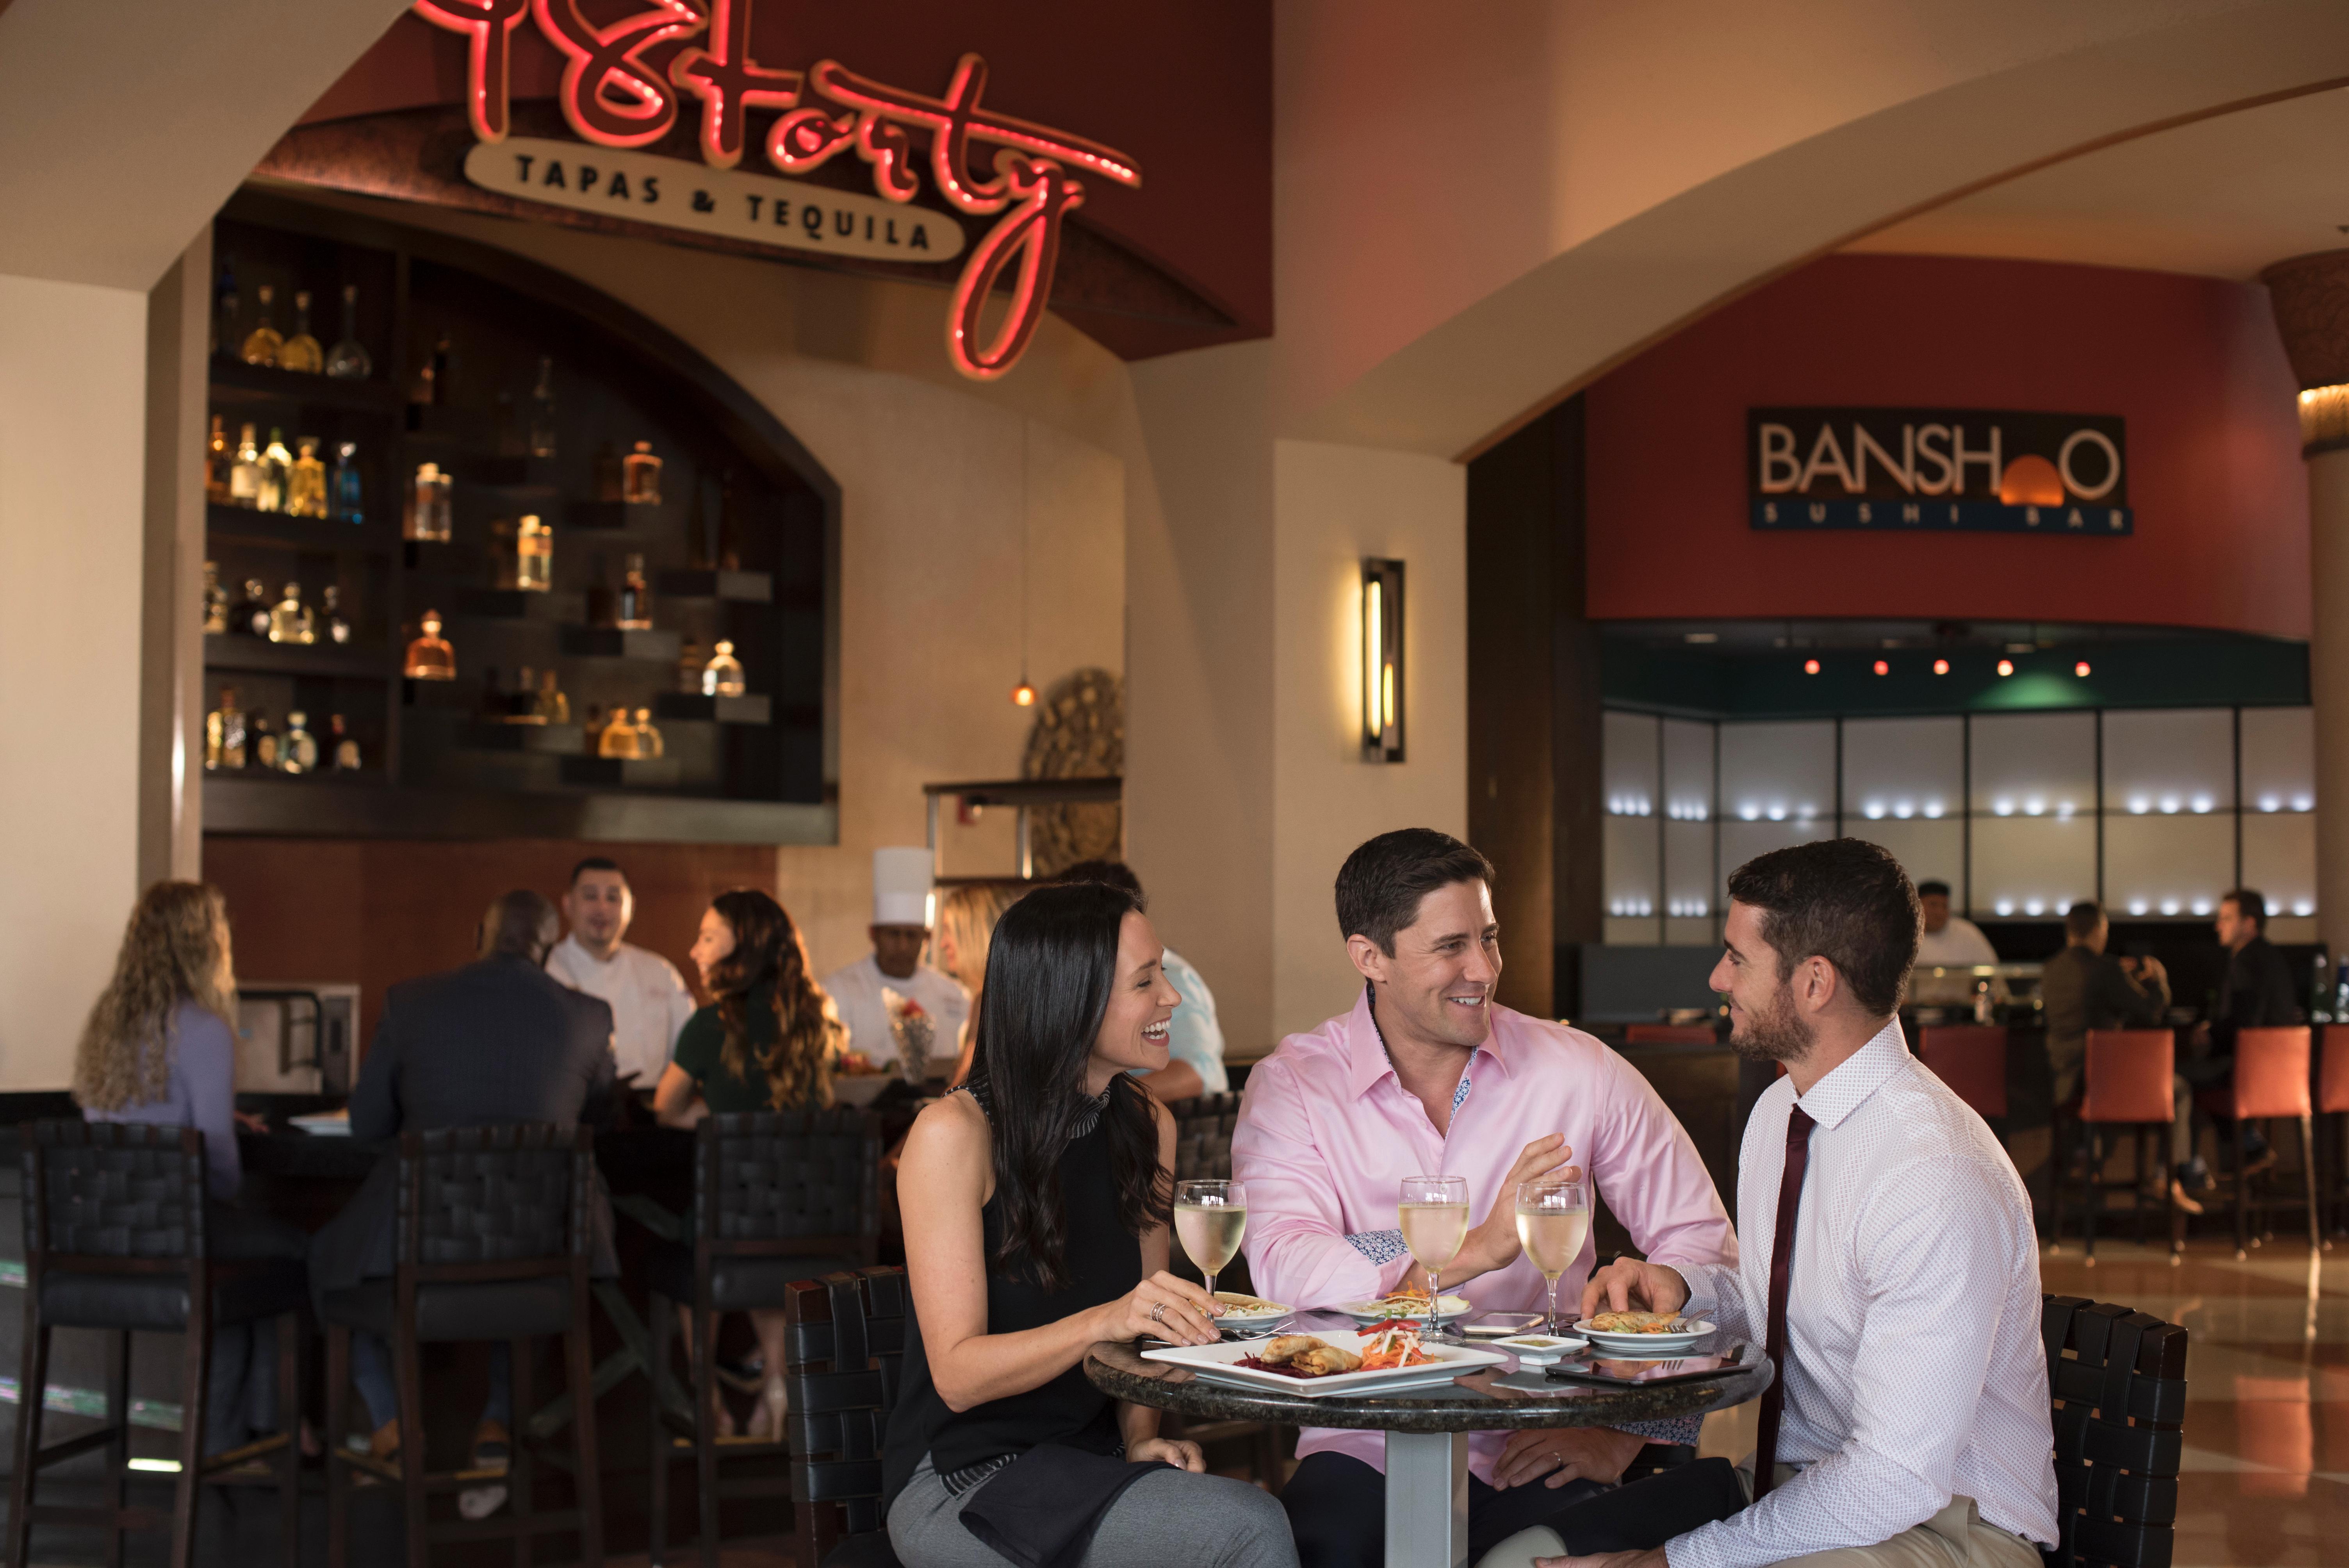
x=1169, y=1519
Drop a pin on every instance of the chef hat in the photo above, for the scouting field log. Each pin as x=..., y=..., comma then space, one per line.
x=902, y=891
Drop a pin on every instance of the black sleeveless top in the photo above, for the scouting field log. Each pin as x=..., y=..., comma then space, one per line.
x=1104, y=1262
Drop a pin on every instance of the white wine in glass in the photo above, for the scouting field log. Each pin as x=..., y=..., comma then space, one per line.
x=1553, y=1221
x=1433, y=1217
x=1210, y=1218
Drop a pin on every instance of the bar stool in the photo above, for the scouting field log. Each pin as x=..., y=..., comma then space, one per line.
x=2332, y=1101
x=846, y=1344
x=2128, y=1085
x=2271, y=1081
x=114, y=1240
x=1971, y=1059
x=777, y=1198
x=494, y=1242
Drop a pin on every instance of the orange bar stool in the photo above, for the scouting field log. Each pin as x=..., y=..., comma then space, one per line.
x=2332, y=1101
x=2272, y=1082
x=1971, y=1059
x=2127, y=1086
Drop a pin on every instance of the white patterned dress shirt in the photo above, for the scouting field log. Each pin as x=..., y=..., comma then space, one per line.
x=1915, y=1370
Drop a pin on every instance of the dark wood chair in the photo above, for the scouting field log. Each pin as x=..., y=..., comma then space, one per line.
x=777, y=1198
x=2272, y=1082
x=2127, y=1086
x=845, y=1347
x=2116, y=1380
x=495, y=1242
x=115, y=1241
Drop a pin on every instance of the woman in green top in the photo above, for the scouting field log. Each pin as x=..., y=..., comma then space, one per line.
x=766, y=1043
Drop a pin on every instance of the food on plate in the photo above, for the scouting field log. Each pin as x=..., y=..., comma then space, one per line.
x=1305, y=1356
x=1235, y=1302
x=1392, y=1345
x=1637, y=1323
x=1406, y=1304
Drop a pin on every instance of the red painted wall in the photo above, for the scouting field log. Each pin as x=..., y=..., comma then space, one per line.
x=2194, y=364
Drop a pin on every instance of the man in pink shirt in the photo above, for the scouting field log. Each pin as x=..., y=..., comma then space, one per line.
x=1428, y=1077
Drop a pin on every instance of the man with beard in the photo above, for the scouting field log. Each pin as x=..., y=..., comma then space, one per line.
x=1889, y=1267
x=1426, y=1075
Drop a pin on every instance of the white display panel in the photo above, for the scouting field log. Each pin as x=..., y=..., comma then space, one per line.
x=1903, y=769
x=1741, y=841
x=1630, y=765
x=1691, y=886
x=2033, y=765
x=1692, y=933
x=2032, y=868
x=1927, y=851
x=2170, y=762
x=2279, y=763
x=2280, y=860
x=1634, y=885
x=1778, y=773
x=1688, y=770
x=2167, y=866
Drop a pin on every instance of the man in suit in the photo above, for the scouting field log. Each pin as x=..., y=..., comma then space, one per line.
x=499, y=1040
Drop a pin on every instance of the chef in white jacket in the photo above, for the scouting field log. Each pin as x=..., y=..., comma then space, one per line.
x=904, y=906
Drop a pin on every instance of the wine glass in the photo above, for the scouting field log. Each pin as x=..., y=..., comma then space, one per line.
x=1434, y=1215
x=1210, y=1218
x=1553, y=1220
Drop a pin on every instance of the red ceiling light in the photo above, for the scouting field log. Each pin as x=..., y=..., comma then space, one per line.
x=1940, y=666
x=2006, y=666
x=1882, y=669
x=2081, y=669
x=1810, y=667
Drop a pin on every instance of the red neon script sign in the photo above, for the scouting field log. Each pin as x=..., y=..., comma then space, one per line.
x=614, y=97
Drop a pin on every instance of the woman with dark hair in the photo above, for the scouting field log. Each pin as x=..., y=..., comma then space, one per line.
x=766, y=1042
x=1045, y=1189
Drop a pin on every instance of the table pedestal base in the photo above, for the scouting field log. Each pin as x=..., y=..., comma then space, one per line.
x=1427, y=1499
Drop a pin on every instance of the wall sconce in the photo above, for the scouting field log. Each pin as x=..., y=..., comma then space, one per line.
x=1382, y=660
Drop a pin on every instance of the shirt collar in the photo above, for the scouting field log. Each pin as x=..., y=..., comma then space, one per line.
x=1366, y=1051
x=1846, y=1088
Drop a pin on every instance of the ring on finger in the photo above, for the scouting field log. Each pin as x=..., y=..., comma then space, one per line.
x=1158, y=1313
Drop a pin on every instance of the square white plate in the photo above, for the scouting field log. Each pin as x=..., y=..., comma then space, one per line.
x=1218, y=1363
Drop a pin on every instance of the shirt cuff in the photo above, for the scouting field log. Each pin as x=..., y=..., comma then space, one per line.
x=1705, y=1298
x=1683, y=1430
x=1378, y=1246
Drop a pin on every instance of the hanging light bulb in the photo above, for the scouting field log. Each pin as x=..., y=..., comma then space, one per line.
x=1024, y=694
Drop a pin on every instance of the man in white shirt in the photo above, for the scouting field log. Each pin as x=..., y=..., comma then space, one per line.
x=904, y=906
x=1948, y=942
x=1886, y=1260
x=649, y=999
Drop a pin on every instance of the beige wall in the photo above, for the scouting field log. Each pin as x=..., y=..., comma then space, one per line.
x=73, y=386
x=1334, y=505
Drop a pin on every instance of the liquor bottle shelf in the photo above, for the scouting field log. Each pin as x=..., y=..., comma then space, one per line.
x=245, y=524
x=545, y=739
x=752, y=708
x=232, y=380
x=257, y=655
x=612, y=643
x=269, y=779
x=607, y=772
x=734, y=587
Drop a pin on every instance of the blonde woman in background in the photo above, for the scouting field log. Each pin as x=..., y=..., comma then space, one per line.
x=159, y=1047
x=966, y=930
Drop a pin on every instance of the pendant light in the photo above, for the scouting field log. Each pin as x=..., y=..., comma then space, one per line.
x=1024, y=694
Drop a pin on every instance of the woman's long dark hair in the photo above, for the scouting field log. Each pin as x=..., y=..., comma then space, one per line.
x=770, y=960
x=1048, y=977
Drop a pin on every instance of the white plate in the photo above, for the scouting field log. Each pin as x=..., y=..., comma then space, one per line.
x=1233, y=1319
x=1530, y=1350
x=1643, y=1347
x=1452, y=1310
x=1217, y=1363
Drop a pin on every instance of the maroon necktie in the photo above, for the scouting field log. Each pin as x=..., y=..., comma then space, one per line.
x=1782, y=1272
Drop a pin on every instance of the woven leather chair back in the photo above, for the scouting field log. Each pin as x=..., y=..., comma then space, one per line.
x=113, y=1190
x=494, y=1194
x=2118, y=1382
x=842, y=1352
x=784, y=1175
x=1203, y=1136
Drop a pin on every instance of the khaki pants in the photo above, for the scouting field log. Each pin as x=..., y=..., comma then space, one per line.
x=1954, y=1537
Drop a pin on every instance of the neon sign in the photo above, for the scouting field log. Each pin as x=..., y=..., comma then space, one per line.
x=614, y=97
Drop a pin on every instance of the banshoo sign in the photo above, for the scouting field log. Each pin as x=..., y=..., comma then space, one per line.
x=1925, y=470
x=626, y=79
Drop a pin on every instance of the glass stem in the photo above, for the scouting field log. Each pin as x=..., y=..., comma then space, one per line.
x=1552, y=1328
x=1434, y=1297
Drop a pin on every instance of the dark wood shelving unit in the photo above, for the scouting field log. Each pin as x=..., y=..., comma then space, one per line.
x=743, y=546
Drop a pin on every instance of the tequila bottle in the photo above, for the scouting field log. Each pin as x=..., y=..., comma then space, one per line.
x=301, y=352
x=649, y=739
x=640, y=474
x=348, y=360
x=346, y=500
x=428, y=512
x=252, y=614
x=262, y=343
x=429, y=656
x=218, y=460
x=289, y=619
x=225, y=734
x=298, y=749
x=244, y=474
x=345, y=747
x=619, y=736
x=542, y=410
x=550, y=704
x=306, y=481
x=534, y=556
x=723, y=677
x=276, y=462
x=215, y=601
x=688, y=668
x=635, y=599
x=330, y=611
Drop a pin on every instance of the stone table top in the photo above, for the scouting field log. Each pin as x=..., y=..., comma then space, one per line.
x=1496, y=1398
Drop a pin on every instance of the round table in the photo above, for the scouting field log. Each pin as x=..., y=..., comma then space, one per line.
x=1427, y=1458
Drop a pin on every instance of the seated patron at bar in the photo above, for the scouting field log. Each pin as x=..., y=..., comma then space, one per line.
x=903, y=903
x=2255, y=992
x=1427, y=1075
x=499, y=1040
x=1047, y=1187
x=765, y=1042
x=1888, y=1262
x=648, y=998
x=1194, y=1040
x=1947, y=941
x=160, y=1048
x=2084, y=987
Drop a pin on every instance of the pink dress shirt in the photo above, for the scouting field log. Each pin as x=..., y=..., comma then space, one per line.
x=1327, y=1132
